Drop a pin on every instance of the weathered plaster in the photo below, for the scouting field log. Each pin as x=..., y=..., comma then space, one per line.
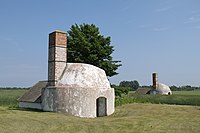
x=77, y=101
x=77, y=90
x=82, y=75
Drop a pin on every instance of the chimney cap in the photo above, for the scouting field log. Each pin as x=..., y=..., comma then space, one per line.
x=58, y=31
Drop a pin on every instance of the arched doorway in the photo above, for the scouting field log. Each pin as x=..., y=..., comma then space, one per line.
x=101, y=106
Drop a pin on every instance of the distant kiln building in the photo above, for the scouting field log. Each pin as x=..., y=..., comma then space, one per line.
x=76, y=88
x=157, y=88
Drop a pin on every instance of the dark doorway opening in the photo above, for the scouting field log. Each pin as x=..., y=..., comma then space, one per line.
x=101, y=106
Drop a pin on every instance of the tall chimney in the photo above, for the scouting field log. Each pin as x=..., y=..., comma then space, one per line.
x=57, y=56
x=155, y=80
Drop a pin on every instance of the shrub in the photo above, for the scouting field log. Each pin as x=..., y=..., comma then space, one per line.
x=119, y=91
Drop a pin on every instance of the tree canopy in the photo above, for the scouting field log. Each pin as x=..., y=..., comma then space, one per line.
x=87, y=45
x=132, y=84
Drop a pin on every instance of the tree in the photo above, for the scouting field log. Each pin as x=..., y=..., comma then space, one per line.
x=133, y=84
x=119, y=91
x=86, y=45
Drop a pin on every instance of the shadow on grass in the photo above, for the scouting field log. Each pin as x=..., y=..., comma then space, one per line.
x=24, y=109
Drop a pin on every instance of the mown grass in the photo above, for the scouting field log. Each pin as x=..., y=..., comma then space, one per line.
x=131, y=118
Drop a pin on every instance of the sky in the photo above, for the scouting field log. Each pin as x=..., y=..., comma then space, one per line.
x=148, y=36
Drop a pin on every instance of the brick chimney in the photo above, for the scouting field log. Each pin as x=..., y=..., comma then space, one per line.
x=57, y=56
x=155, y=80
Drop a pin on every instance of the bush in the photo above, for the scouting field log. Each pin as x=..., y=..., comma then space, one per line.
x=119, y=91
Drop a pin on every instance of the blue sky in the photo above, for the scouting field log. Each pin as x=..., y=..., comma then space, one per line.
x=148, y=36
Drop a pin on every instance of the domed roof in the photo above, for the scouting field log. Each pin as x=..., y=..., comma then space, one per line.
x=84, y=75
x=163, y=89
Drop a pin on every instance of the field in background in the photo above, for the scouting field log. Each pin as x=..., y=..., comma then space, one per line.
x=178, y=98
x=197, y=92
x=133, y=117
x=8, y=97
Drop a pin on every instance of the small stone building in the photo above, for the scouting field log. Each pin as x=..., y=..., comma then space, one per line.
x=157, y=88
x=75, y=88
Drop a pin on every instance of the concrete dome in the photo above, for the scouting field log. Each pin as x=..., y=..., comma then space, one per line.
x=163, y=89
x=83, y=90
x=84, y=75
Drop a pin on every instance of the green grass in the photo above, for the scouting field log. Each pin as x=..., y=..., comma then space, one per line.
x=149, y=118
x=197, y=92
x=135, y=117
x=9, y=97
x=178, y=98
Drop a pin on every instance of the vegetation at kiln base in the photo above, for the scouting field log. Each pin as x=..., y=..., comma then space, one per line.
x=178, y=98
x=9, y=96
x=87, y=45
x=149, y=118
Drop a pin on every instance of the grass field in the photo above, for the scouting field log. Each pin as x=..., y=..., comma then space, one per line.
x=197, y=92
x=149, y=118
x=135, y=117
x=178, y=98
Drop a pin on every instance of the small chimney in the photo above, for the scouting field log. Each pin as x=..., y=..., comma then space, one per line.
x=155, y=80
x=57, y=56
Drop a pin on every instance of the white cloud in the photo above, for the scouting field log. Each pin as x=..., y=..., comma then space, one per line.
x=163, y=9
x=193, y=19
x=157, y=29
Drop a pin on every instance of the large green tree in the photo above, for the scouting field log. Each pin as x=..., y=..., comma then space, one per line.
x=86, y=45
